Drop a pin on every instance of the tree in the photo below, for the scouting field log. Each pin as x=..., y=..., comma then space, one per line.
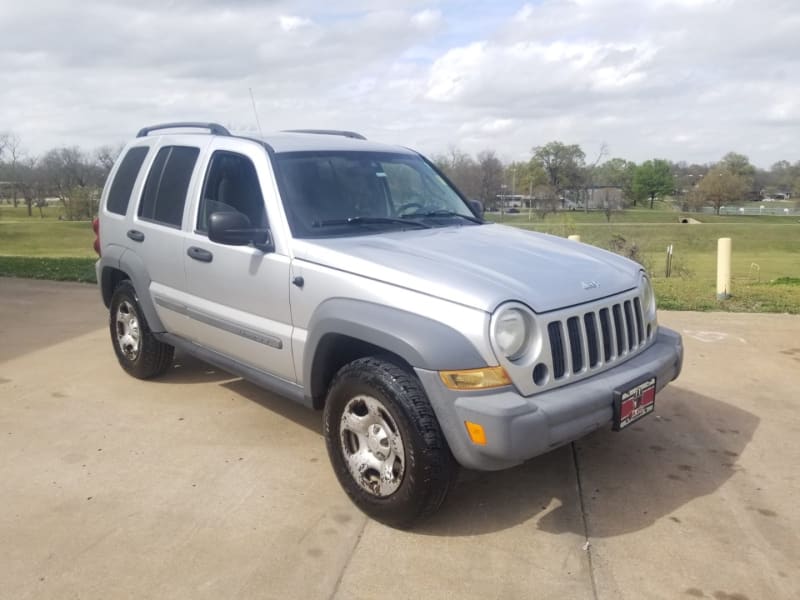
x=545, y=200
x=491, y=176
x=74, y=178
x=686, y=177
x=721, y=187
x=562, y=164
x=105, y=156
x=13, y=147
x=461, y=169
x=652, y=178
x=530, y=177
x=739, y=164
x=617, y=172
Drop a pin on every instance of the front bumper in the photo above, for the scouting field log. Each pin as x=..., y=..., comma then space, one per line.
x=519, y=428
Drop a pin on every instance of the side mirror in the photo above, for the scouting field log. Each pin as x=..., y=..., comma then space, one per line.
x=477, y=207
x=235, y=229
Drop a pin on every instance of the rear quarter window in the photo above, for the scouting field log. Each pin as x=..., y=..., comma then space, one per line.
x=120, y=193
x=164, y=195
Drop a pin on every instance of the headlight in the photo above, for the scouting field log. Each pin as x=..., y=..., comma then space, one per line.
x=648, y=298
x=511, y=331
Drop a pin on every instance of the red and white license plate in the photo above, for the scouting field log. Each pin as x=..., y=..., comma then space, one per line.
x=634, y=402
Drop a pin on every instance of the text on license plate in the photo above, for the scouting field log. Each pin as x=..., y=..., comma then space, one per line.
x=632, y=404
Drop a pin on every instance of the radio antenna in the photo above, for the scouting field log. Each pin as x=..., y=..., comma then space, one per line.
x=255, y=112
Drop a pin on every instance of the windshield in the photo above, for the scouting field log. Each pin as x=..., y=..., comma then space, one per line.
x=346, y=193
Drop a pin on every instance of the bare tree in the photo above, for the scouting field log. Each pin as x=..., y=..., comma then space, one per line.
x=106, y=156
x=491, y=172
x=13, y=147
x=589, y=173
x=74, y=178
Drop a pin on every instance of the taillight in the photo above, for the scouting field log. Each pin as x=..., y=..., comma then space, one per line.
x=96, y=229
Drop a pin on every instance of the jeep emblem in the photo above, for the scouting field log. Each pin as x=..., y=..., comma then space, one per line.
x=590, y=285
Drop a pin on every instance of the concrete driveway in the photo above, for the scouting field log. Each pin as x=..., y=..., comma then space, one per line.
x=200, y=485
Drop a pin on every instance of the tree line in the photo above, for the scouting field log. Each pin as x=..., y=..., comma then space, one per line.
x=557, y=176
x=69, y=174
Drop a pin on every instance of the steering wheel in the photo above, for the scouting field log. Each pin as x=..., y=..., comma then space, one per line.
x=403, y=207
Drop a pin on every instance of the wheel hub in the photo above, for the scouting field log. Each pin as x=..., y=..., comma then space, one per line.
x=372, y=446
x=378, y=441
x=127, y=328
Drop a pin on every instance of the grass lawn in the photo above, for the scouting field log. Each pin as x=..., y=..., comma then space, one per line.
x=764, y=250
x=765, y=264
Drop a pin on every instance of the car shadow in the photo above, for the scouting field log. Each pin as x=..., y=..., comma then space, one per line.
x=628, y=480
x=686, y=450
x=187, y=369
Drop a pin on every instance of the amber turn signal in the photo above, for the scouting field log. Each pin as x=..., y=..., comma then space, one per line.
x=476, y=433
x=475, y=379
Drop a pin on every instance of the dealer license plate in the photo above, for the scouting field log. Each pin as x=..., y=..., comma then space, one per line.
x=634, y=402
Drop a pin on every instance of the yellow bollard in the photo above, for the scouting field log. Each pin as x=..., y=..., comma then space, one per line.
x=574, y=238
x=723, y=268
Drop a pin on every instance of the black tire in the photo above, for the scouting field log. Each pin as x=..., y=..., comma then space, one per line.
x=428, y=467
x=148, y=357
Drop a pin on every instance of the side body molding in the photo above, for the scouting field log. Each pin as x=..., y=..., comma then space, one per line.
x=421, y=342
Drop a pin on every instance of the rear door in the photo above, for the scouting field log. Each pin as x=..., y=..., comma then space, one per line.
x=157, y=232
x=238, y=301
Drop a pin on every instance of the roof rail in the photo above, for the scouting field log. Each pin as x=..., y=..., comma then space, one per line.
x=347, y=134
x=213, y=128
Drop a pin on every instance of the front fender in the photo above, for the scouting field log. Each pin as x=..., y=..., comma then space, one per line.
x=421, y=342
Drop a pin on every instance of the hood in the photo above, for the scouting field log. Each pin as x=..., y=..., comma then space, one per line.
x=479, y=266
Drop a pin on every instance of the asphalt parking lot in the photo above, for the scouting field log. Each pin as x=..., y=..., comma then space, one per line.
x=200, y=485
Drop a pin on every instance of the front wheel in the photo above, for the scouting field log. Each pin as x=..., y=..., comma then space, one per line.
x=137, y=349
x=385, y=444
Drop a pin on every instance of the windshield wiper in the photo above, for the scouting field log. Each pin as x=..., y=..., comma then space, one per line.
x=441, y=212
x=369, y=221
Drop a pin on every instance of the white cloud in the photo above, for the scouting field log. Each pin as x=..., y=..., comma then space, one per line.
x=678, y=79
x=290, y=23
x=426, y=19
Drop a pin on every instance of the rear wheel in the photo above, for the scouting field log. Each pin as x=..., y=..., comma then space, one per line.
x=137, y=349
x=385, y=444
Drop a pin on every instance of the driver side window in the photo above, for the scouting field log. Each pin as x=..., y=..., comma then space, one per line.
x=231, y=185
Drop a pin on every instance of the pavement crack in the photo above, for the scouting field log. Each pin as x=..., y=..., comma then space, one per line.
x=346, y=564
x=584, y=518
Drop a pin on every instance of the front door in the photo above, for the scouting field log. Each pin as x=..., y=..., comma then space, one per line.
x=238, y=296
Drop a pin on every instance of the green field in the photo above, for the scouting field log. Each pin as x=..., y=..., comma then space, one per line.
x=765, y=265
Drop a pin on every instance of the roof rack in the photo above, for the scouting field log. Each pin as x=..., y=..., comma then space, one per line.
x=213, y=128
x=347, y=134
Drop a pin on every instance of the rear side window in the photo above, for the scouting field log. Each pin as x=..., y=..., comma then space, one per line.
x=122, y=186
x=164, y=195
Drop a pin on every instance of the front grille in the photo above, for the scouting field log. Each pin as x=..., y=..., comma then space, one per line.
x=588, y=340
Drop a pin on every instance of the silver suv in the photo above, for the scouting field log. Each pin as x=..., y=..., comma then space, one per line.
x=354, y=278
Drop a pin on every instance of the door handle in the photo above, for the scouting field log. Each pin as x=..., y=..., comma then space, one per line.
x=136, y=236
x=200, y=254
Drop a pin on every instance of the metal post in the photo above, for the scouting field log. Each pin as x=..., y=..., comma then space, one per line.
x=723, y=268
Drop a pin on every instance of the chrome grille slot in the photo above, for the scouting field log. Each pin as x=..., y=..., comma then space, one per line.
x=630, y=326
x=637, y=308
x=619, y=329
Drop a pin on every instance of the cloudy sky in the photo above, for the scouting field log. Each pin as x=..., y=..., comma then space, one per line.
x=677, y=79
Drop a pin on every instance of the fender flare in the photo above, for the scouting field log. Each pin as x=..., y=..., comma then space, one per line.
x=420, y=341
